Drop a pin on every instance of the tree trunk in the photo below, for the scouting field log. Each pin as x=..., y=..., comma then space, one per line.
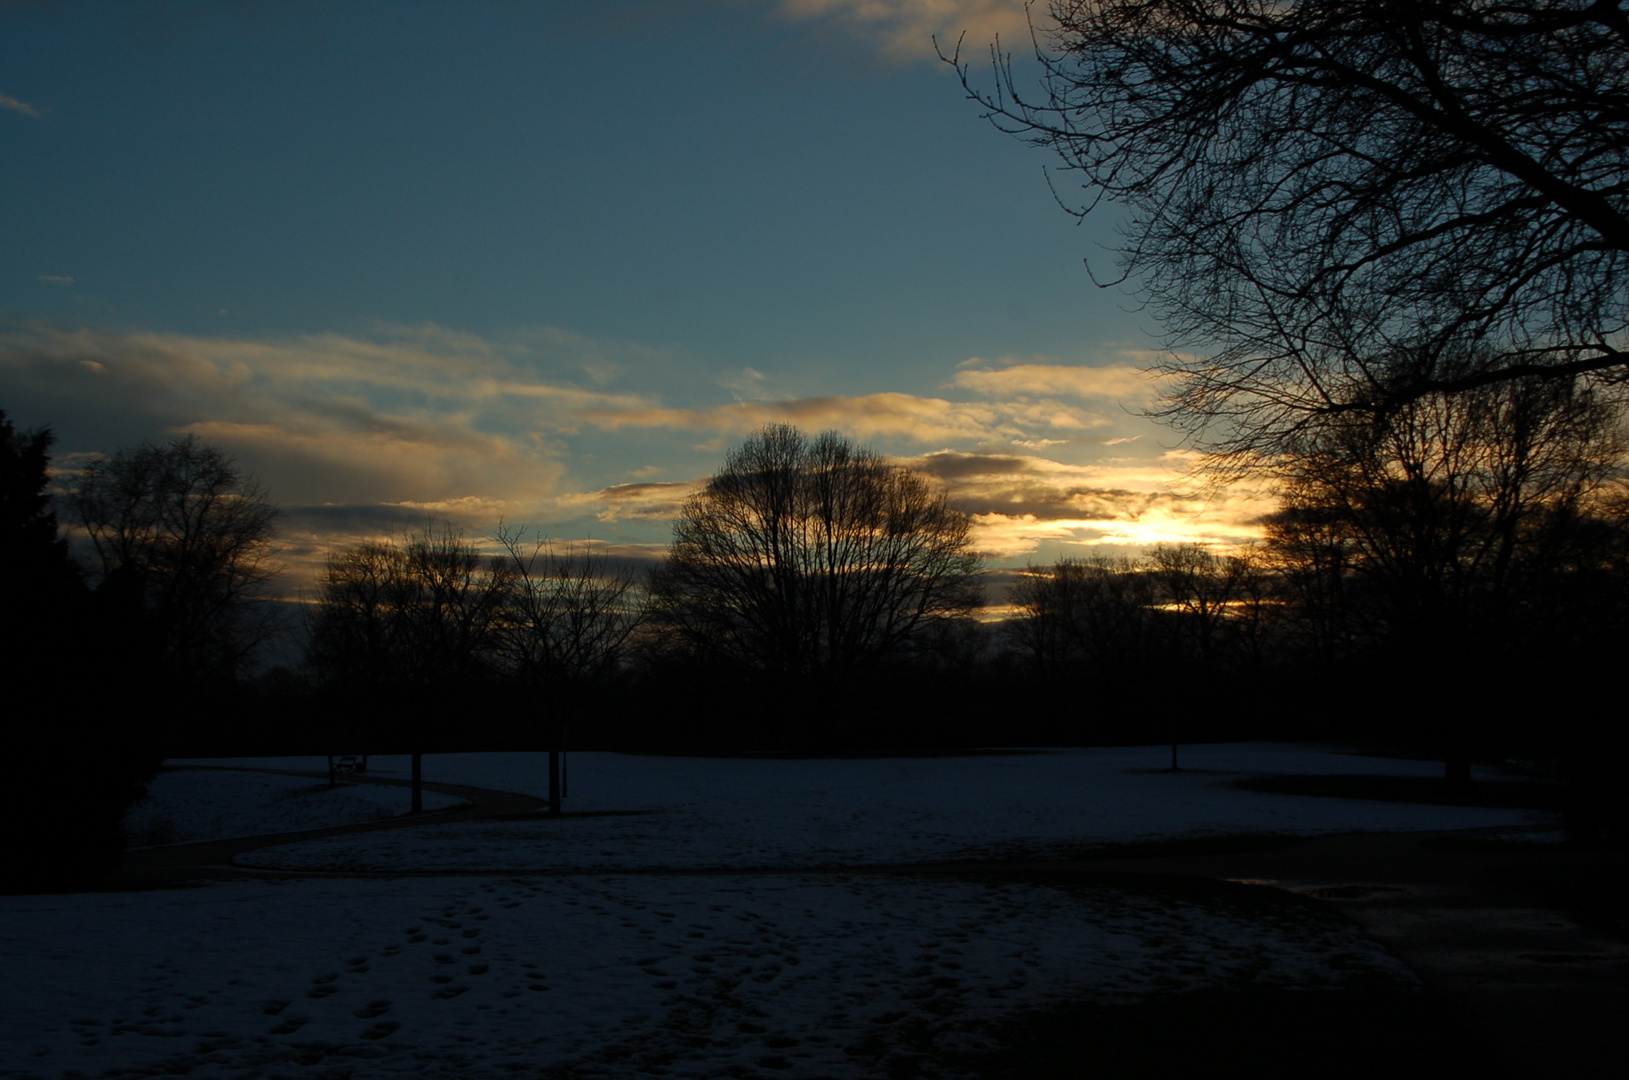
x=418, y=784
x=554, y=778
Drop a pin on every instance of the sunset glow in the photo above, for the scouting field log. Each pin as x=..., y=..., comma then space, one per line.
x=579, y=350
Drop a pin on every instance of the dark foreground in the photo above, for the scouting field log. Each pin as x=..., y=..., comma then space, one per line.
x=1523, y=949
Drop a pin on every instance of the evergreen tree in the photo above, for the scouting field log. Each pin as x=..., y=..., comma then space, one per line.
x=82, y=753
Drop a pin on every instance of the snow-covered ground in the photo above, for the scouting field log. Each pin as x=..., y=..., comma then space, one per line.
x=651, y=970
x=671, y=812
x=621, y=976
x=184, y=805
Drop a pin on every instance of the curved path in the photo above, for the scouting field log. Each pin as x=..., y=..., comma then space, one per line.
x=214, y=859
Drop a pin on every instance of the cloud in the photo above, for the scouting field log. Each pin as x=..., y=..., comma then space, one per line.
x=365, y=436
x=1022, y=504
x=631, y=502
x=1120, y=382
x=11, y=104
x=421, y=418
x=903, y=30
x=884, y=416
x=749, y=384
x=56, y=279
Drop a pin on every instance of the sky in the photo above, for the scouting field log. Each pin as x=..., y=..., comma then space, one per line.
x=545, y=262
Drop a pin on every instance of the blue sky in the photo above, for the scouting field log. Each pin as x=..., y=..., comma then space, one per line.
x=545, y=261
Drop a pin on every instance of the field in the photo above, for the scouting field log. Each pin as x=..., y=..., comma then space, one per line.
x=694, y=917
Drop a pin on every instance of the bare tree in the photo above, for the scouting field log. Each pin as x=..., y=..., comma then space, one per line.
x=1179, y=615
x=182, y=527
x=456, y=605
x=410, y=626
x=1213, y=612
x=1085, y=618
x=1436, y=536
x=1215, y=601
x=358, y=635
x=814, y=561
x=1345, y=205
x=567, y=618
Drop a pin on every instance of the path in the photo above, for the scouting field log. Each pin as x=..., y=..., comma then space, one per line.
x=213, y=859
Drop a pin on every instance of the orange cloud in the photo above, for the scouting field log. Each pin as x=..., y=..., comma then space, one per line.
x=1021, y=503
x=1119, y=382
x=891, y=415
x=903, y=30
x=11, y=104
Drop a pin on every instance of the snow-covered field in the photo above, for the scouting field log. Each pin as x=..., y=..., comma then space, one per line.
x=729, y=812
x=653, y=969
x=185, y=805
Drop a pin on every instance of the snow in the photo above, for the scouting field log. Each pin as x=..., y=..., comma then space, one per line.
x=691, y=813
x=614, y=954
x=186, y=805
x=832, y=975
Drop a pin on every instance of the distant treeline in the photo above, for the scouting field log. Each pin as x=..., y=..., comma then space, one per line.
x=1454, y=581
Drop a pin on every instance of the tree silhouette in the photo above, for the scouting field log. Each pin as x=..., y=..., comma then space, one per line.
x=181, y=527
x=83, y=753
x=1440, y=539
x=1178, y=617
x=1090, y=618
x=409, y=630
x=1345, y=205
x=565, y=625
x=812, y=561
x=34, y=561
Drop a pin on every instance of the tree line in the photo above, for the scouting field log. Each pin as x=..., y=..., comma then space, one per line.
x=1455, y=575
x=815, y=595
x=806, y=575
x=1425, y=578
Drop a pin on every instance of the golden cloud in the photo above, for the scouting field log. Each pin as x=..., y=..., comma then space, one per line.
x=904, y=30
x=363, y=436
x=891, y=415
x=1117, y=382
x=635, y=502
x=425, y=417
x=1020, y=503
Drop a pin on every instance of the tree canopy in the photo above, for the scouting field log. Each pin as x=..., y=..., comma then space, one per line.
x=191, y=536
x=814, y=559
x=1451, y=526
x=1344, y=205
